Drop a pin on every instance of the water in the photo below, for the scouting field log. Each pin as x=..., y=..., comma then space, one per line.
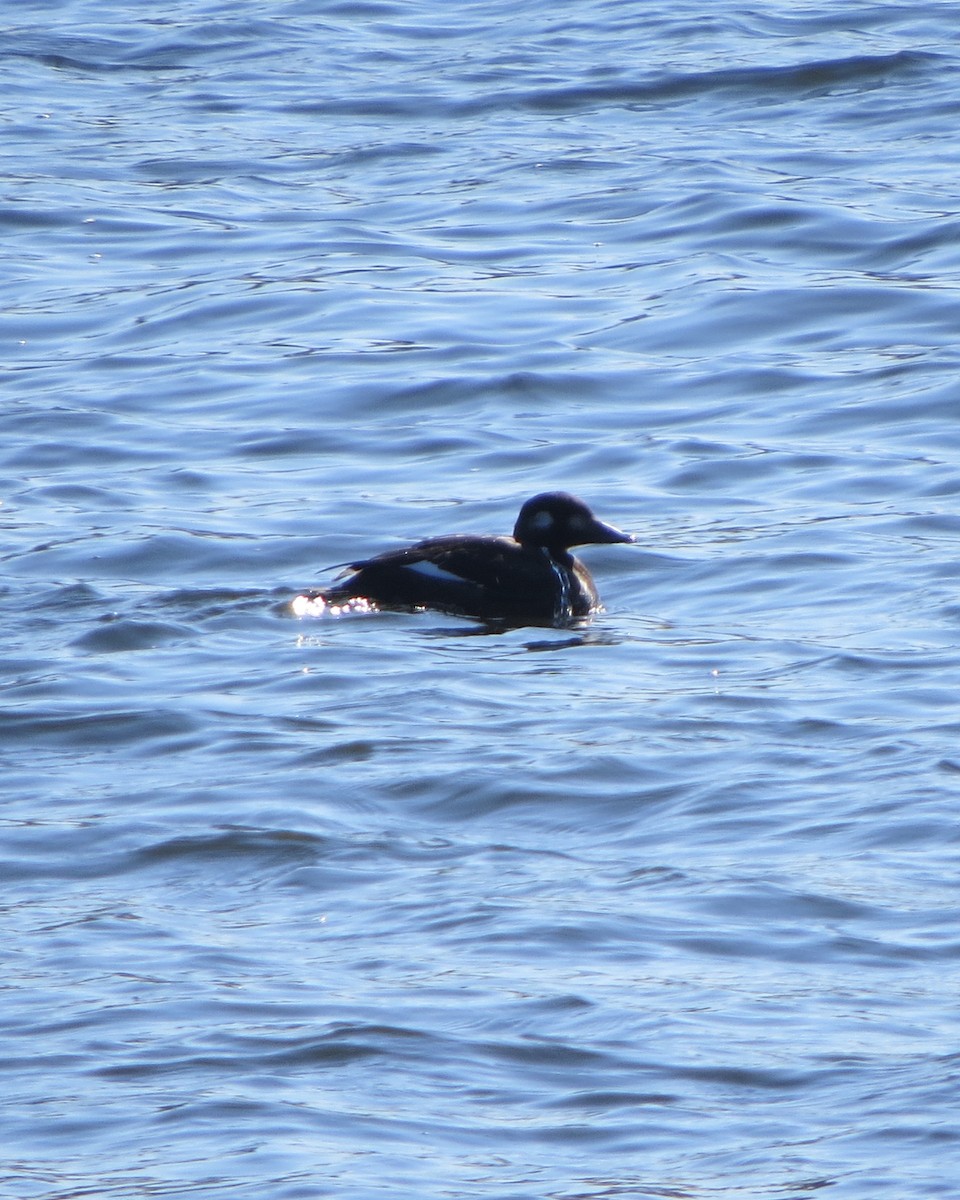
x=386, y=905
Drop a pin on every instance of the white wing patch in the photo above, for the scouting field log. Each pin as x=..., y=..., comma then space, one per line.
x=430, y=570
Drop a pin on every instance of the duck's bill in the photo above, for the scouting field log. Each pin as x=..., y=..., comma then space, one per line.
x=602, y=532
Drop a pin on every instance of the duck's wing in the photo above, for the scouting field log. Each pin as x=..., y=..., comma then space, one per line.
x=479, y=576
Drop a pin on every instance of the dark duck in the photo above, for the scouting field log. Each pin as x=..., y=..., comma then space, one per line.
x=529, y=578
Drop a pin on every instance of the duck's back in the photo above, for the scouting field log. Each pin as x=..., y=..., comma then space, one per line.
x=487, y=577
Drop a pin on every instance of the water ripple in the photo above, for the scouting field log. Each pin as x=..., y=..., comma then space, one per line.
x=301, y=904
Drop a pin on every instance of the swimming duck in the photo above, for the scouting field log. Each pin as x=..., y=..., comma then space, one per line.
x=529, y=578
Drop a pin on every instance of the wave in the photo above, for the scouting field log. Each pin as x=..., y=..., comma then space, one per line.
x=798, y=78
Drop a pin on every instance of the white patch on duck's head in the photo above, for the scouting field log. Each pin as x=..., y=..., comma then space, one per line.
x=542, y=521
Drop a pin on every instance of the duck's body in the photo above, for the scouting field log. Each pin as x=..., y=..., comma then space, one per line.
x=530, y=577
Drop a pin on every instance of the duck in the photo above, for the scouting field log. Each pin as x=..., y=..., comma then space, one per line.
x=527, y=578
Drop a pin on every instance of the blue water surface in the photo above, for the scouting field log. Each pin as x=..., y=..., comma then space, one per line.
x=390, y=904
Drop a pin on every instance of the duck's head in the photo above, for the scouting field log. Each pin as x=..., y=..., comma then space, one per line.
x=558, y=521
